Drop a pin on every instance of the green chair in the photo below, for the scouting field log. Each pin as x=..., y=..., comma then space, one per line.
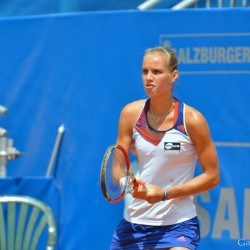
x=23, y=219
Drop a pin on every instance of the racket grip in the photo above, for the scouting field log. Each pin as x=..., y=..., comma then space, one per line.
x=135, y=182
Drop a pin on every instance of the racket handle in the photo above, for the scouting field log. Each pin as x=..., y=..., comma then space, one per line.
x=135, y=182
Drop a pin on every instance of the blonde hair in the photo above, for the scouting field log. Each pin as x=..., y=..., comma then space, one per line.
x=171, y=59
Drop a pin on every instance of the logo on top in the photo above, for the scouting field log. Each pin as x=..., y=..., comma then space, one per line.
x=172, y=146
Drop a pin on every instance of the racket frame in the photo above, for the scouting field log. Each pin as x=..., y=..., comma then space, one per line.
x=103, y=172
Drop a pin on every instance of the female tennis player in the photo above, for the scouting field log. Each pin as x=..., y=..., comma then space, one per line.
x=169, y=138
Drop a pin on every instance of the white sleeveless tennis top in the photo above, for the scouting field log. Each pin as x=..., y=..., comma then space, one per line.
x=168, y=162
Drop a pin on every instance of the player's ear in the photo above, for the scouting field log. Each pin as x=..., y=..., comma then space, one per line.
x=175, y=75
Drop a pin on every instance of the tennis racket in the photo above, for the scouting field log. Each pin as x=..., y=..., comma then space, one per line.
x=116, y=175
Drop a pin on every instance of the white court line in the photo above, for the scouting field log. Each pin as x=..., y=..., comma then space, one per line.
x=204, y=34
x=232, y=144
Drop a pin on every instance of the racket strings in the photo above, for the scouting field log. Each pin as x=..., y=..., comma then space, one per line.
x=116, y=170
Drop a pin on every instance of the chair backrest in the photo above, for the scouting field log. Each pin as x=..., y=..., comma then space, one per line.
x=22, y=222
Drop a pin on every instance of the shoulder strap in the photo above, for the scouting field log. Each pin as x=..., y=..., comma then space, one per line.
x=180, y=117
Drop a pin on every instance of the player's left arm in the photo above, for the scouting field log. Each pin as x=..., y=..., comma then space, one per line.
x=199, y=133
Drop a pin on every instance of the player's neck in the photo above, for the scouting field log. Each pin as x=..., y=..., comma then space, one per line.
x=161, y=109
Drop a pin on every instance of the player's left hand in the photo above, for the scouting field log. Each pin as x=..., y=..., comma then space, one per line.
x=149, y=192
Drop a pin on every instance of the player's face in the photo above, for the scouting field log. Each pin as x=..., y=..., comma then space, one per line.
x=157, y=77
